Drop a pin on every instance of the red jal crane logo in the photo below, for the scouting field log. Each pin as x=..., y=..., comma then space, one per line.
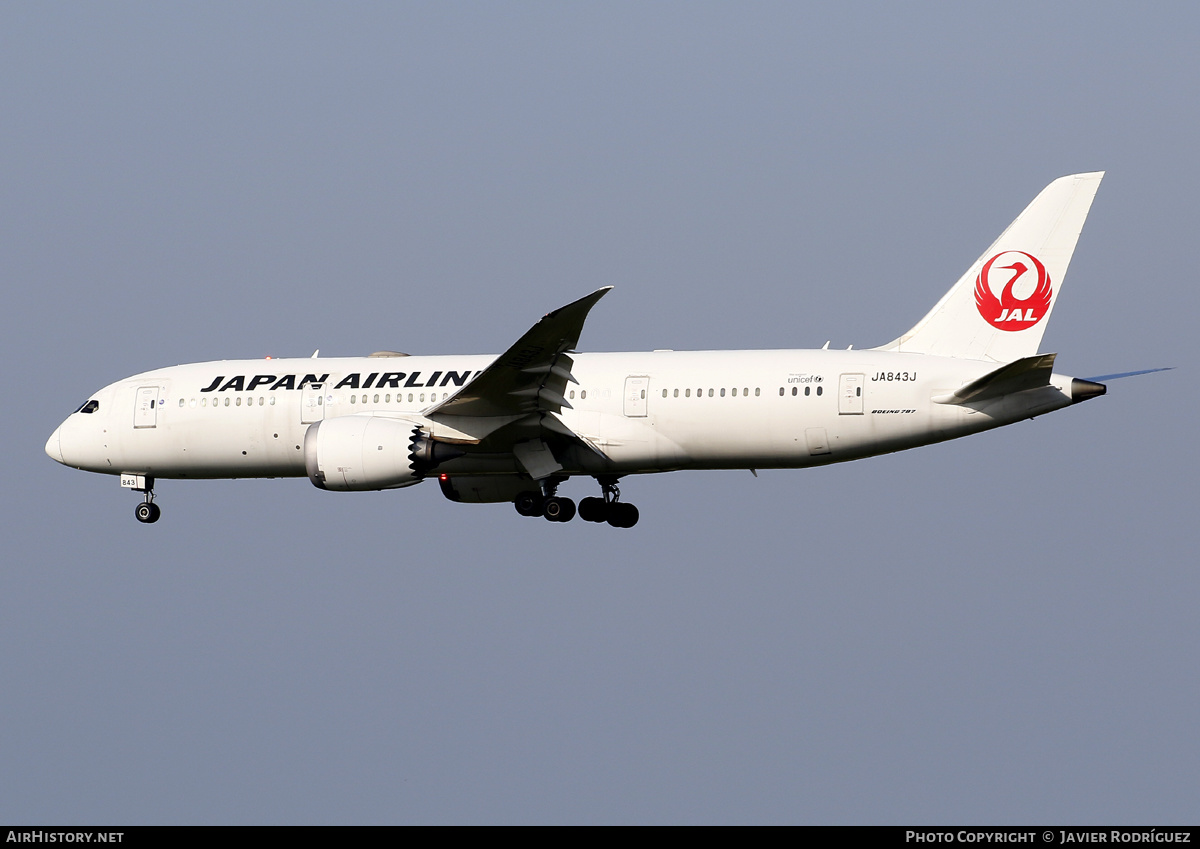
x=1008, y=312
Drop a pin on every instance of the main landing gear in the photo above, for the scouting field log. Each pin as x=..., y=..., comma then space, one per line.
x=555, y=508
x=609, y=507
x=148, y=512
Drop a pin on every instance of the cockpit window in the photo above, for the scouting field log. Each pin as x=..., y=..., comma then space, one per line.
x=90, y=407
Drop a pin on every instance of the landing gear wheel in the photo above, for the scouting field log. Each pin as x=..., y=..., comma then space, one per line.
x=621, y=514
x=610, y=508
x=147, y=512
x=559, y=509
x=530, y=504
x=593, y=510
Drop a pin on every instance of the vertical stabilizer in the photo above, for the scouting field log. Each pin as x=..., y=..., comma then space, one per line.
x=999, y=309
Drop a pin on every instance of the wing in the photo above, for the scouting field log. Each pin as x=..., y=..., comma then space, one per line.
x=532, y=375
x=513, y=403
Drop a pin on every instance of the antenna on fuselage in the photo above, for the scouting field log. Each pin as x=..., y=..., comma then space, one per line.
x=314, y=356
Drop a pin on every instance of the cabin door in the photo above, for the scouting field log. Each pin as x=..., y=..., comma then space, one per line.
x=312, y=403
x=850, y=394
x=635, y=395
x=145, y=411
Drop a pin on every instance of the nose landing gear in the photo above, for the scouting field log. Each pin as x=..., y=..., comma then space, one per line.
x=147, y=512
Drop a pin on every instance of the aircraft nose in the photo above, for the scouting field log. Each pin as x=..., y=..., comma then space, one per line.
x=54, y=446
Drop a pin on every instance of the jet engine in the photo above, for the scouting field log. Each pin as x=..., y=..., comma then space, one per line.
x=357, y=453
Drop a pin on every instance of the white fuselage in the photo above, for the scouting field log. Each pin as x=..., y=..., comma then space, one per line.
x=644, y=412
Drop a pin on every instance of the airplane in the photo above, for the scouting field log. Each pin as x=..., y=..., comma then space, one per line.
x=514, y=427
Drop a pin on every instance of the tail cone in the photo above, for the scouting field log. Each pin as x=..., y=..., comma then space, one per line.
x=1083, y=390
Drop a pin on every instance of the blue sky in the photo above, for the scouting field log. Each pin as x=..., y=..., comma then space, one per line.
x=1000, y=629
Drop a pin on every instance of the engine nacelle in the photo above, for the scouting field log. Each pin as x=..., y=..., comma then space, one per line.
x=357, y=453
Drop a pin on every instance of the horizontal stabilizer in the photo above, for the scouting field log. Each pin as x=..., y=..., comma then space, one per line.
x=1017, y=376
x=1104, y=377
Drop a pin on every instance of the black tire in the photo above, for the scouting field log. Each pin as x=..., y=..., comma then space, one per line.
x=559, y=509
x=529, y=504
x=622, y=515
x=147, y=512
x=592, y=510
